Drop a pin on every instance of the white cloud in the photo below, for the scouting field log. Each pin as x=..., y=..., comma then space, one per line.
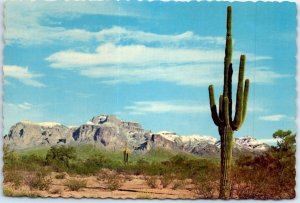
x=110, y=54
x=142, y=107
x=276, y=117
x=23, y=75
x=25, y=106
x=264, y=75
x=133, y=55
x=116, y=63
x=117, y=33
x=182, y=75
x=42, y=24
x=36, y=27
x=138, y=63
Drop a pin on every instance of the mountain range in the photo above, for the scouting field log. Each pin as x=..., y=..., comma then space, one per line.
x=110, y=132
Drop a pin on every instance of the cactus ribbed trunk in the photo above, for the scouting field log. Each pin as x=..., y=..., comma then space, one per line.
x=226, y=158
x=125, y=154
x=223, y=119
x=125, y=157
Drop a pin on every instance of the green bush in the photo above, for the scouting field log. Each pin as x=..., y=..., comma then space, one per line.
x=58, y=157
x=10, y=158
x=91, y=165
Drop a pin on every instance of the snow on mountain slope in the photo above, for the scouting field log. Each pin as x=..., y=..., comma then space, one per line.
x=187, y=138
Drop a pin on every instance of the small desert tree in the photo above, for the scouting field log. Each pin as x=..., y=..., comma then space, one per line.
x=60, y=156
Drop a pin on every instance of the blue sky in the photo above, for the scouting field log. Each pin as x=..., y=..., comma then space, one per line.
x=149, y=62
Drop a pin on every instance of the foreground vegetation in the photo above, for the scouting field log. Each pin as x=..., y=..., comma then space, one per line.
x=268, y=176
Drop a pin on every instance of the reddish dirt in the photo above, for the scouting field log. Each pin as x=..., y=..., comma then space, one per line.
x=132, y=187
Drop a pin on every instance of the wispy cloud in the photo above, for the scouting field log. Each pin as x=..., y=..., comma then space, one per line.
x=39, y=21
x=137, y=55
x=142, y=107
x=264, y=75
x=116, y=34
x=139, y=63
x=111, y=54
x=25, y=106
x=194, y=75
x=275, y=117
x=23, y=75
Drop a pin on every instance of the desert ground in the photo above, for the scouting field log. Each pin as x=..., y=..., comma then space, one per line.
x=127, y=186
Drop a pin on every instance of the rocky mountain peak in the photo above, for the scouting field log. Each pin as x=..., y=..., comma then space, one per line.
x=111, y=132
x=250, y=143
x=101, y=119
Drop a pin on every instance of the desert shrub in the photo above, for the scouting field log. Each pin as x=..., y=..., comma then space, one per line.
x=97, y=160
x=31, y=162
x=14, y=177
x=89, y=166
x=59, y=157
x=140, y=166
x=10, y=158
x=167, y=179
x=75, y=185
x=113, y=181
x=151, y=181
x=38, y=181
x=102, y=175
x=205, y=185
x=185, y=167
x=113, y=184
x=270, y=175
x=60, y=176
x=10, y=192
x=128, y=177
x=178, y=184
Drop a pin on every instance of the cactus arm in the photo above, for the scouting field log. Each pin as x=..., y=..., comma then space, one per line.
x=245, y=99
x=238, y=118
x=221, y=107
x=230, y=71
x=213, y=107
x=226, y=111
x=228, y=54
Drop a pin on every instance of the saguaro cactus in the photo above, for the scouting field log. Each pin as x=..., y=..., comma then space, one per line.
x=125, y=154
x=223, y=119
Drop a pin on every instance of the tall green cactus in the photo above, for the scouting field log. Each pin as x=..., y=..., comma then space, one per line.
x=125, y=154
x=223, y=119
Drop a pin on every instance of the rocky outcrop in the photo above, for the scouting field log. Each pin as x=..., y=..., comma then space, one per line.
x=27, y=134
x=110, y=132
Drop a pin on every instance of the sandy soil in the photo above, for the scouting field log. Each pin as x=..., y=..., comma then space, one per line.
x=132, y=187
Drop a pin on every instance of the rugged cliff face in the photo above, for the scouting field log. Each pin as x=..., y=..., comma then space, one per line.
x=104, y=130
x=27, y=134
x=110, y=132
